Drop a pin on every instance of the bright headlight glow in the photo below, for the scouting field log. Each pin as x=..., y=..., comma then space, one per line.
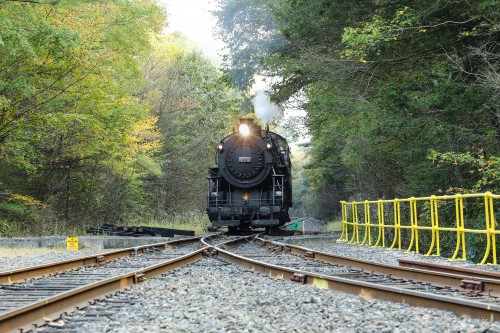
x=244, y=129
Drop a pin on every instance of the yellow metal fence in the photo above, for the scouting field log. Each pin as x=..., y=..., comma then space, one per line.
x=415, y=222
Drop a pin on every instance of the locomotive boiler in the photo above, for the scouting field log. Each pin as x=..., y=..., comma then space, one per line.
x=251, y=184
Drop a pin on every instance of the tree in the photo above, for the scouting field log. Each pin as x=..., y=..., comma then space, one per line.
x=250, y=33
x=386, y=82
x=73, y=135
x=194, y=108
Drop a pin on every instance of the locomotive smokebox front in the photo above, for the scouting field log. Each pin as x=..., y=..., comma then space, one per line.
x=244, y=158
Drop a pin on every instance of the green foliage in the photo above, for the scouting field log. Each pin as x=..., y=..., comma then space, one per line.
x=10, y=208
x=7, y=228
x=384, y=83
x=71, y=121
x=194, y=108
x=86, y=133
x=17, y=213
x=362, y=41
x=485, y=171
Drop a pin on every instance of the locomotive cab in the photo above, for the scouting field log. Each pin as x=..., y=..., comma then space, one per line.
x=250, y=185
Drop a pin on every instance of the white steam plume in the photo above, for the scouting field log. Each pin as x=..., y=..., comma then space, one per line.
x=264, y=109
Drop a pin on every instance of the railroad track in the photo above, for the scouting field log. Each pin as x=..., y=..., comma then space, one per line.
x=17, y=275
x=36, y=295
x=40, y=300
x=464, y=294
x=471, y=281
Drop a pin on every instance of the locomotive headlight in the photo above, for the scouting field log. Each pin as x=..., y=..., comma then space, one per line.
x=269, y=145
x=244, y=129
x=220, y=146
x=246, y=196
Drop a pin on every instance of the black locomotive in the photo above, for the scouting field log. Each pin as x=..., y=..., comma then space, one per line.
x=251, y=185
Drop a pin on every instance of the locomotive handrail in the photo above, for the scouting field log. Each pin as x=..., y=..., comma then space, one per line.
x=420, y=217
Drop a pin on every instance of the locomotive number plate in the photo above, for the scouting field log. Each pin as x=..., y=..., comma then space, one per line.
x=245, y=160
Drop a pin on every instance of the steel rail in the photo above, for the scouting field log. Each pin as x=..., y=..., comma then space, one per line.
x=476, y=273
x=232, y=242
x=490, y=285
x=17, y=275
x=205, y=240
x=366, y=289
x=29, y=316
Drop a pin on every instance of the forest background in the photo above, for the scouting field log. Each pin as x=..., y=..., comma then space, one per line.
x=104, y=118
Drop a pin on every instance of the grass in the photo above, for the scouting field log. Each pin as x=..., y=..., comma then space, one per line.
x=195, y=221
x=334, y=226
x=37, y=228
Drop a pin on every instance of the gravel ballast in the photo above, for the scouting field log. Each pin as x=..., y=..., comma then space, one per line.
x=34, y=259
x=211, y=296
x=54, y=248
x=377, y=254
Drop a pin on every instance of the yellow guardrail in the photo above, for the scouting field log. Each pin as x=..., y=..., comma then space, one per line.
x=420, y=217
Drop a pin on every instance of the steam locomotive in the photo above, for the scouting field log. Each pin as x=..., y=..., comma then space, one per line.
x=251, y=184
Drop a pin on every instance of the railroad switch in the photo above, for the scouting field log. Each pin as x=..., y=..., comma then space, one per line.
x=298, y=277
x=210, y=252
x=473, y=285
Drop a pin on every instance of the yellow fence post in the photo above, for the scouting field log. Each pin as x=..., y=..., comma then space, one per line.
x=355, y=234
x=381, y=224
x=489, y=216
x=434, y=227
x=493, y=225
x=345, y=229
x=459, y=218
x=397, y=224
x=491, y=230
x=368, y=235
x=414, y=225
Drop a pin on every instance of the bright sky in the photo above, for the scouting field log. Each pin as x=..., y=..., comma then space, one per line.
x=193, y=19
